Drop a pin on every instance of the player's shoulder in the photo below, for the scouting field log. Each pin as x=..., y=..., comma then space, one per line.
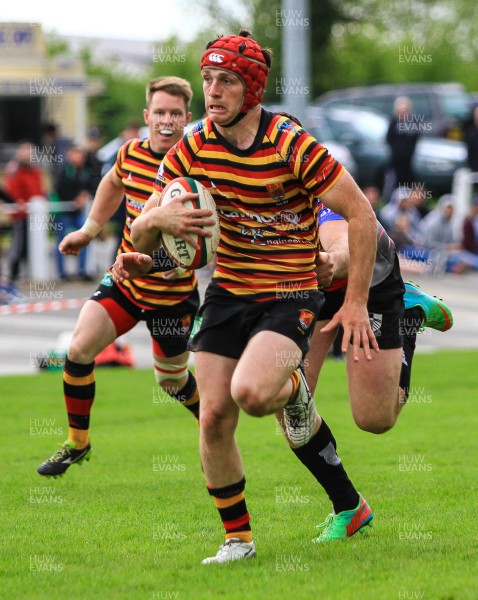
x=199, y=133
x=284, y=123
x=285, y=131
x=133, y=145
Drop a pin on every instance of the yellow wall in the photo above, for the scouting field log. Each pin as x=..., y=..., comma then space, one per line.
x=26, y=70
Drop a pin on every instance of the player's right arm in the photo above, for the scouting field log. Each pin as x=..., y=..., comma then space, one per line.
x=108, y=198
x=172, y=218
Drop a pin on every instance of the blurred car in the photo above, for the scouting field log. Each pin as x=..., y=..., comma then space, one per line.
x=316, y=124
x=440, y=108
x=364, y=131
x=436, y=160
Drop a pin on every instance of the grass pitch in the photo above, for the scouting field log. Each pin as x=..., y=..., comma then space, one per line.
x=135, y=522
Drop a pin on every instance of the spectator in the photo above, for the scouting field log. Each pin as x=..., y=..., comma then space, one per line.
x=438, y=235
x=470, y=229
x=418, y=197
x=92, y=162
x=470, y=131
x=5, y=199
x=402, y=138
x=109, y=152
x=23, y=181
x=400, y=202
x=404, y=238
x=57, y=147
x=73, y=185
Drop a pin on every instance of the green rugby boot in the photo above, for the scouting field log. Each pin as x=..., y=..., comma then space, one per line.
x=345, y=523
x=437, y=314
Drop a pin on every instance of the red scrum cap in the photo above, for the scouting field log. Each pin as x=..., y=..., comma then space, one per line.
x=243, y=56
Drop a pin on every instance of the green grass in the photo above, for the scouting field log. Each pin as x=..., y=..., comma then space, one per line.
x=89, y=535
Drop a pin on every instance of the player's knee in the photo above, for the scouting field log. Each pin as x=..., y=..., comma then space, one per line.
x=375, y=424
x=216, y=424
x=79, y=353
x=250, y=399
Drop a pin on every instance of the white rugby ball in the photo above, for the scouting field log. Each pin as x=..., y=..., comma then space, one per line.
x=180, y=251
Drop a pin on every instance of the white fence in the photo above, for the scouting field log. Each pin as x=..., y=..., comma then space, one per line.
x=462, y=190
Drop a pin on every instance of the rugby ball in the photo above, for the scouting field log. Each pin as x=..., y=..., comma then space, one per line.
x=180, y=251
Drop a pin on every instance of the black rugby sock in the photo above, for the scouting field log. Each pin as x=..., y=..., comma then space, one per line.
x=412, y=321
x=320, y=457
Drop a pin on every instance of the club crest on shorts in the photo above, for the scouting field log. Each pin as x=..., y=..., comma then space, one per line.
x=186, y=322
x=375, y=322
x=276, y=191
x=107, y=280
x=306, y=318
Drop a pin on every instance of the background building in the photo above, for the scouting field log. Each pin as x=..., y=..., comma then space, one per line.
x=36, y=89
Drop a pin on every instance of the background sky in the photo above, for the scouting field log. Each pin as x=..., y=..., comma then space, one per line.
x=124, y=19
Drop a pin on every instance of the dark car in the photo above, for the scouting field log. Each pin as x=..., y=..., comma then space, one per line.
x=363, y=132
x=439, y=109
x=315, y=122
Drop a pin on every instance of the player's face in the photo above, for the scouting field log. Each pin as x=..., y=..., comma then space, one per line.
x=166, y=117
x=223, y=95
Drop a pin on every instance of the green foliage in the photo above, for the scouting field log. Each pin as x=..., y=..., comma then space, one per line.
x=361, y=43
x=95, y=527
x=401, y=41
x=56, y=46
x=123, y=97
x=268, y=26
x=113, y=109
x=173, y=57
x=352, y=43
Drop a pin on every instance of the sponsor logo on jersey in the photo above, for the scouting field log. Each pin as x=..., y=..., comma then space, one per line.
x=196, y=129
x=134, y=204
x=289, y=216
x=284, y=126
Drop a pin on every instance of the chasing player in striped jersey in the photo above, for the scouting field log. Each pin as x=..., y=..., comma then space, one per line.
x=164, y=298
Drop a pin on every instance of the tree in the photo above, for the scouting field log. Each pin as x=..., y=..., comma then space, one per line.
x=360, y=42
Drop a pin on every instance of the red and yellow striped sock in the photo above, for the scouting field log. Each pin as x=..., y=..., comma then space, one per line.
x=79, y=390
x=231, y=504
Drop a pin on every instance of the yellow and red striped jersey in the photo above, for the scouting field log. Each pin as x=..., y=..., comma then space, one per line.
x=266, y=197
x=137, y=165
